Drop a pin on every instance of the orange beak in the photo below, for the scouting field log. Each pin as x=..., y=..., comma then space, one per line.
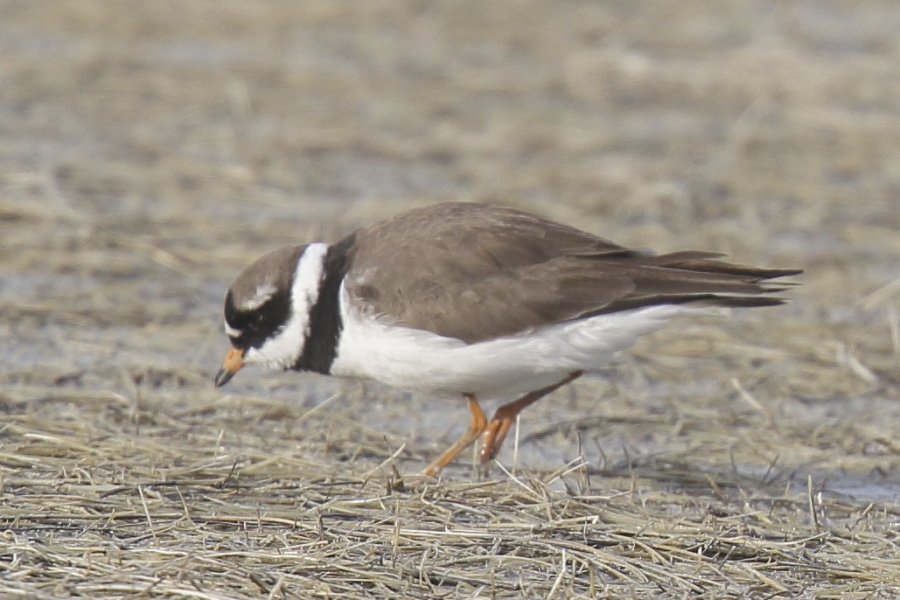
x=232, y=363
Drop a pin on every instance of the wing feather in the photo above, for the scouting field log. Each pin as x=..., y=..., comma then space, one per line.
x=475, y=272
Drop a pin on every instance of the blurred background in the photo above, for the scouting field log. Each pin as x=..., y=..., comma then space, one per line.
x=149, y=150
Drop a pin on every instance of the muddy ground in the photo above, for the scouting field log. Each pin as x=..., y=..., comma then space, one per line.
x=150, y=150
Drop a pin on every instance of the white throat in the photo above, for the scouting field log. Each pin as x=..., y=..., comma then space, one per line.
x=283, y=349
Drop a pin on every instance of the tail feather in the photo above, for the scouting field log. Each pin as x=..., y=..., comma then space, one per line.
x=698, y=279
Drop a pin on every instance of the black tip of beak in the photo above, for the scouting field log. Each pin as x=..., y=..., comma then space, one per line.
x=223, y=377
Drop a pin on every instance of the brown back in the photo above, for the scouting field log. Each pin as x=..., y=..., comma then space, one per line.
x=474, y=272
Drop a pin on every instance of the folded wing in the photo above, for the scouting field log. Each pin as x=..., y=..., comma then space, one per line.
x=476, y=272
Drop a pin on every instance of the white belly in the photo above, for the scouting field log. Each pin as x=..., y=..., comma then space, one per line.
x=418, y=360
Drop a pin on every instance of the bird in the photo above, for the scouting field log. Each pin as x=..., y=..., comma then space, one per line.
x=471, y=301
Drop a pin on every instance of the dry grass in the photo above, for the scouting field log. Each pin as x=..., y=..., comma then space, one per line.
x=147, y=154
x=132, y=500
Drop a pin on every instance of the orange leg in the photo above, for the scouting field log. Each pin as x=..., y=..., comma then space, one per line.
x=496, y=430
x=476, y=426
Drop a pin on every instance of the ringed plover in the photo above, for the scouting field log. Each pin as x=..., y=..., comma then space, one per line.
x=470, y=300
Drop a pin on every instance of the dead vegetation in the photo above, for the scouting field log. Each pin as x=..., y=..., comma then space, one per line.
x=148, y=154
